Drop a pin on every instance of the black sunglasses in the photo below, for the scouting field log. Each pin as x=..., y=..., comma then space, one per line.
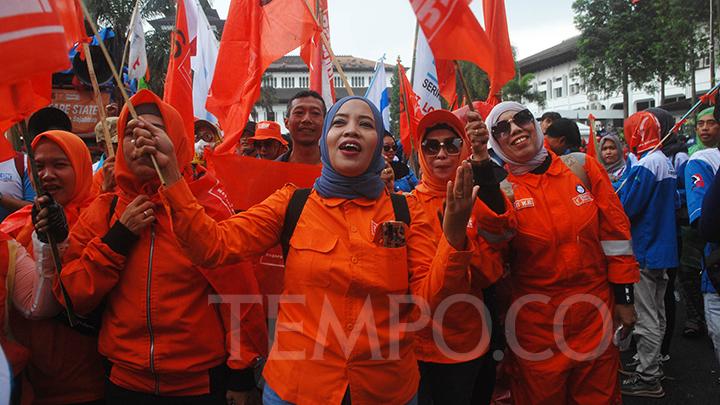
x=502, y=128
x=388, y=148
x=431, y=147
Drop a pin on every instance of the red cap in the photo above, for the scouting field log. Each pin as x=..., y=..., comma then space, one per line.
x=268, y=130
x=440, y=117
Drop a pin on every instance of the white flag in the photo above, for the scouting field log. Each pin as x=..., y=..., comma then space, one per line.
x=203, y=65
x=378, y=92
x=137, y=61
x=425, y=81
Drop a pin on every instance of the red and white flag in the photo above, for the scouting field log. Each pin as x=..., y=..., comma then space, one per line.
x=137, y=60
x=317, y=56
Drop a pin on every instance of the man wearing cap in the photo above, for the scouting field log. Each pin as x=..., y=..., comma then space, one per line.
x=547, y=119
x=267, y=141
x=104, y=168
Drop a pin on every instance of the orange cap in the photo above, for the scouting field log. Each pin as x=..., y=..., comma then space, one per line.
x=268, y=130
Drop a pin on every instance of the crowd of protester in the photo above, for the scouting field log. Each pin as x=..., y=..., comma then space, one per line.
x=498, y=263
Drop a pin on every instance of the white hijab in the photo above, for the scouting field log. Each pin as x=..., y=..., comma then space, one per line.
x=516, y=168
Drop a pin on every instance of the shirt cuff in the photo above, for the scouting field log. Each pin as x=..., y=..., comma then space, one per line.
x=624, y=294
x=120, y=239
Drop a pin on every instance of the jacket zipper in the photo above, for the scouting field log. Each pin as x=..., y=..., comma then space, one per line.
x=148, y=315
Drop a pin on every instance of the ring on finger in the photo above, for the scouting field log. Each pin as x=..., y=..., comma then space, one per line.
x=146, y=213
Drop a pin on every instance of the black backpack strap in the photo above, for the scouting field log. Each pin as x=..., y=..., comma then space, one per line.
x=292, y=215
x=400, y=207
x=113, y=205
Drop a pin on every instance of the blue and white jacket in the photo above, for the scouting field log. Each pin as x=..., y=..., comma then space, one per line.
x=649, y=201
x=699, y=175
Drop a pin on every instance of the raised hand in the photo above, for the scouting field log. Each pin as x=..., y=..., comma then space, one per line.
x=138, y=214
x=153, y=141
x=49, y=219
x=479, y=135
x=459, y=202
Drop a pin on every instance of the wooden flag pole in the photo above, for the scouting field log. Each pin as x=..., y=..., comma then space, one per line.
x=98, y=100
x=326, y=42
x=466, y=90
x=118, y=80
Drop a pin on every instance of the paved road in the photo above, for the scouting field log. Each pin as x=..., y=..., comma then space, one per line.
x=692, y=372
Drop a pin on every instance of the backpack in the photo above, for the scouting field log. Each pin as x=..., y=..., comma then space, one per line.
x=297, y=204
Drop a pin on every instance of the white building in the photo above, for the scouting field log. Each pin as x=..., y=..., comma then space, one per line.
x=564, y=93
x=289, y=75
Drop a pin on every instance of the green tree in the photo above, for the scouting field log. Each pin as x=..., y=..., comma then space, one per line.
x=477, y=82
x=519, y=89
x=395, y=103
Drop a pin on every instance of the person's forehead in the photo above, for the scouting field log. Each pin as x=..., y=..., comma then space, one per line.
x=306, y=102
x=441, y=133
x=356, y=107
x=509, y=114
x=706, y=118
x=388, y=139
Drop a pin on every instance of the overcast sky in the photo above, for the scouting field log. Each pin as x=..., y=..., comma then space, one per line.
x=371, y=28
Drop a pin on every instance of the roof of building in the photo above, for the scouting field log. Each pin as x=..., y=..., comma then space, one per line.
x=561, y=53
x=294, y=63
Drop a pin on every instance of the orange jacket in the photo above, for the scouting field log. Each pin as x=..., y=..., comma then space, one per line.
x=17, y=355
x=158, y=330
x=339, y=281
x=463, y=328
x=65, y=366
x=570, y=240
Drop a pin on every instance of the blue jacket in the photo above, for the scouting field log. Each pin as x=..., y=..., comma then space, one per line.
x=649, y=201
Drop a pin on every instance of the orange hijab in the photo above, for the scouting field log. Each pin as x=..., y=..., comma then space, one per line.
x=79, y=156
x=129, y=185
x=431, y=184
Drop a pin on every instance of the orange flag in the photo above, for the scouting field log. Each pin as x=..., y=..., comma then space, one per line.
x=256, y=34
x=317, y=57
x=454, y=33
x=27, y=26
x=592, y=140
x=409, y=112
x=447, y=79
x=178, y=82
x=503, y=69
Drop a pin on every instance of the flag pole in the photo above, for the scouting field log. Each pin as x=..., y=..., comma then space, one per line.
x=403, y=91
x=98, y=100
x=466, y=90
x=326, y=42
x=417, y=32
x=676, y=127
x=130, y=29
x=118, y=80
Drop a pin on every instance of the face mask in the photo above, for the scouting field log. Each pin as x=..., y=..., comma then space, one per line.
x=200, y=147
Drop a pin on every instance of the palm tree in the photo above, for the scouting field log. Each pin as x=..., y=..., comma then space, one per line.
x=519, y=89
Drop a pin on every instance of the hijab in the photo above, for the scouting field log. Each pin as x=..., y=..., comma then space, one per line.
x=516, y=168
x=642, y=132
x=620, y=163
x=146, y=102
x=332, y=184
x=431, y=184
x=79, y=156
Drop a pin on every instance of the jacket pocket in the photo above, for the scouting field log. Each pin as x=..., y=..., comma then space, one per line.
x=386, y=269
x=311, y=259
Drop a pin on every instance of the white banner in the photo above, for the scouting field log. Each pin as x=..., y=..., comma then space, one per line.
x=425, y=81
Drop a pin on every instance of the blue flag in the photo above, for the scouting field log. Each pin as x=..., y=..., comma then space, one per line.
x=378, y=92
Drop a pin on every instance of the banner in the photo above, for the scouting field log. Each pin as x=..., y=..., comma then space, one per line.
x=425, y=77
x=80, y=107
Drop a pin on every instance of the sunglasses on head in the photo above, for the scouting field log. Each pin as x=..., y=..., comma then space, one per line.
x=502, y=128
x=388, y=148
x=431, y=147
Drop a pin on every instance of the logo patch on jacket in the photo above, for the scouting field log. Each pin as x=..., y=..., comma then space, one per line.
x=582, y=199
x=698, y=181
x=524, y=203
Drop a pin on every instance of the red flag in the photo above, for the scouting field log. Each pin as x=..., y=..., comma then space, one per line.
x=409, y=112
x=454, y=33
x=256, y=34
x=592, y=140
x=27, y=26
x=317, y=57
x=178, y=82
x=447, y=79
x=504, y=64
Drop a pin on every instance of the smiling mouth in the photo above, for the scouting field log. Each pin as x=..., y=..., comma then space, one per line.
x=350, y=146
x=519, y=140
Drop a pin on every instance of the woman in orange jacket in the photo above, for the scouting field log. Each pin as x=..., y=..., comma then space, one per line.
x=65, y=367
x=162, y=338
x=571, y=265
x=450, y=350
x=342, y=331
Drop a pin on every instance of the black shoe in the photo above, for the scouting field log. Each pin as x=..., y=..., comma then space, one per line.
x=637, y=387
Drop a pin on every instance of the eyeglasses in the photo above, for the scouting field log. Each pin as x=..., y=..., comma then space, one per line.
x=431, y=147
x=502, y=128
x=390, y=148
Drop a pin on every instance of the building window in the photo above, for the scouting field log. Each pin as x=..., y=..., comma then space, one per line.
x=644, y=105
x=557, y=92
x=574, y=89
x=270, y=116
x=702, y=62
x=287, y=82
x=338, y=82
x=304, y=82
x=269, y=81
